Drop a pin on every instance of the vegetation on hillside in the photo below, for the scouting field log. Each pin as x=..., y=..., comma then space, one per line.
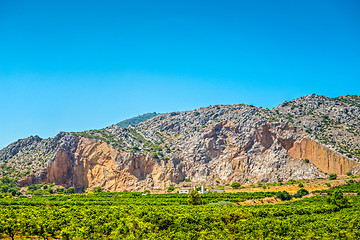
x=136, y=120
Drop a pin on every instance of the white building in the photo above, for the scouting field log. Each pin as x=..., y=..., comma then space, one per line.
x=184, y=190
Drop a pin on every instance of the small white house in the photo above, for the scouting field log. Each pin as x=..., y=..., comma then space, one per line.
x=184, y=190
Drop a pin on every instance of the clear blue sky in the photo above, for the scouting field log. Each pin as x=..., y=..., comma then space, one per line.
x=78, y=65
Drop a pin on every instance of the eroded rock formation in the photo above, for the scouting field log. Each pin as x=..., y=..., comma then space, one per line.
x=225, y=143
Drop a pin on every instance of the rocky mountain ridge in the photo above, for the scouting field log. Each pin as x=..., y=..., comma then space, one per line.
x=226, y=143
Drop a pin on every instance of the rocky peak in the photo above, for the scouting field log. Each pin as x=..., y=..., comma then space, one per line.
x=223, y=142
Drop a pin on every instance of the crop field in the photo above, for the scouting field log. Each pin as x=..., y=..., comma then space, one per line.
x=170, y=216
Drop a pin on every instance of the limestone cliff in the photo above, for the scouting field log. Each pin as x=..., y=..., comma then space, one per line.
x=322, y=157
x=226, y=143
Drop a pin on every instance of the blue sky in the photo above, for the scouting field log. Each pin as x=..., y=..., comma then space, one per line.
x=73, y=66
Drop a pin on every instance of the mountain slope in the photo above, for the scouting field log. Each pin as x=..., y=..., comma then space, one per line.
x=223, y=142
x=136, y=120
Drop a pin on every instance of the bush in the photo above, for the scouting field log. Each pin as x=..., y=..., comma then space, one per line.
x=306, y=160
x=349, y=173
x=259, y=184
x=301, y=185
x=332, y=176
x=70, y=190
x=328, y=184
x=199, y=188
x=291, y=181
x=38, y=192
x=284, y=195
x=98, y=189
x=235, y=185
x=350, y=181
x=302, y=192
x=171, y=188
x=187, y=180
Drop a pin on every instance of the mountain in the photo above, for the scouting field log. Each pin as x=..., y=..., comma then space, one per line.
x=305, y=138
x=136, y=120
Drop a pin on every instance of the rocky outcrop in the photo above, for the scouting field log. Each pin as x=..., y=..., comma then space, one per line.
x=322, y=157
x=225, y=143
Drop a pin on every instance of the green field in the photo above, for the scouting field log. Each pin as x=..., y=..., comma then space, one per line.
x=169, y=216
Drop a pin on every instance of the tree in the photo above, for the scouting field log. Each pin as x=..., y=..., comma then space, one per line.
x=332, y=176
x=235, y=185
x=338, y=199
x=171, y=188
x=302, y=192
x=284, y=195
x=70, y=190
x=194, y=198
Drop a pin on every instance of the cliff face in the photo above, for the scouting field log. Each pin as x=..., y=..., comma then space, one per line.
x=322, y=157
x=270, y=152
x=226, y=143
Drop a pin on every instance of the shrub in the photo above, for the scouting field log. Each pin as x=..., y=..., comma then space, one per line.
x=198, y=189
x=328, y=184
x=235, y=185
x=332, y=176
x=302, y=192
x=259, y=184
x=301, y=185
x=171, y=188
x=70, y=190
x=349, y=173
x=38, y=192
x=187, y=180
x=98, y=189
x=284, y=195
x=306, y=160
x=350, y=181
x=291, y=181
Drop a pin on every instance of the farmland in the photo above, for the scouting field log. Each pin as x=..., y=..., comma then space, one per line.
x=106, y=215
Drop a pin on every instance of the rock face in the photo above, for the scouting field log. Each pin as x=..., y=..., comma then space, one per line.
x=322, y=157
x=226, y=143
